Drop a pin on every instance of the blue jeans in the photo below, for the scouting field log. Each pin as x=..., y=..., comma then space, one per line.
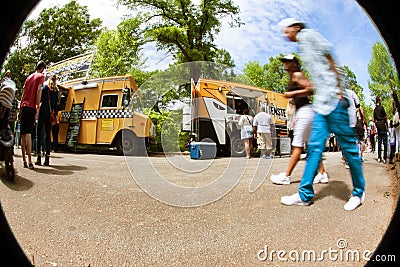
x=336, y=122
x=382, y=137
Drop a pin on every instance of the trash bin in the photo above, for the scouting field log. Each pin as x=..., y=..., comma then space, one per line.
x=203, y=150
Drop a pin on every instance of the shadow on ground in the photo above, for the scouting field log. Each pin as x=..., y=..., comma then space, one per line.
x=337, y=189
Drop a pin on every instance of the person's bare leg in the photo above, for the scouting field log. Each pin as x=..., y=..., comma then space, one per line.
x=28, y=148
x=294, y=159
x=321, y=167
x=23, y=146
x=247, y=147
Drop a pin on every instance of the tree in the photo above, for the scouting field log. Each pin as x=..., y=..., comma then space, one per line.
x=60, y=33
x=20, y=64
x=255, y=72
x=56, y=34
x=271, y=76
x=187, y=30
x=350, y=80
x=118, y=51
x=277, y=77
x=384, y=78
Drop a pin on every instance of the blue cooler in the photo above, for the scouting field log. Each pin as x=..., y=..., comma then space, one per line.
x=203, y=150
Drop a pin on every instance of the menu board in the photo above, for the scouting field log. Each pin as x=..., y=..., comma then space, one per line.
x=74, y=125
x=285, y=146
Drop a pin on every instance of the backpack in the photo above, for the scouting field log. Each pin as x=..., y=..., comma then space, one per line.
x=360, y=128
x=360, y=125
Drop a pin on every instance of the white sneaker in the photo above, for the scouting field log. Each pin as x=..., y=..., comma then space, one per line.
x=321, y=178
x=294, y=200
x=280, y=178
x=346, y=165
x=354, y=202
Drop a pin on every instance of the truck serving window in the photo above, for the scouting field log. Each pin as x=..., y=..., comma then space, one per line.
x=109, y=101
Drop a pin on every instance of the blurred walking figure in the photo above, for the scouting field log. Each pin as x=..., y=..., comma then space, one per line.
x=30, y=104
x=372, y=133
x=330, y=102
x=380, y=119
x=291, y=118
x=299, y=89
x=392, y=142
x=396, y=123
x=13, y=114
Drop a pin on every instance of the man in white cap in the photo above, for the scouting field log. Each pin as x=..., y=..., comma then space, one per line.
x=331, y=106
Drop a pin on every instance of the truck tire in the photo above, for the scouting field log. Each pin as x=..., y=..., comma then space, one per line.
x=237, y=147
x=129, y=144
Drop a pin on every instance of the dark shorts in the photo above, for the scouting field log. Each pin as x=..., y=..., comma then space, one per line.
x=27, y=120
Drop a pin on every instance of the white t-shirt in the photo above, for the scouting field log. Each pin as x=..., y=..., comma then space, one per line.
x=263, y=122
x=396, y=119
x=352, y=108
x=245, y=120
x=392, y=138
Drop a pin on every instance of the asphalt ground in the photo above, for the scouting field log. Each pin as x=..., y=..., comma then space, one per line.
x=88, y=210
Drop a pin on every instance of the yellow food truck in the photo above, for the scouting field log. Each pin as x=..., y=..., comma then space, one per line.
x=104, y=112
x=215, y=109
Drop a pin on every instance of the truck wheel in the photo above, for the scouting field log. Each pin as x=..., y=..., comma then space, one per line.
x=130, y=145
x=237, y=147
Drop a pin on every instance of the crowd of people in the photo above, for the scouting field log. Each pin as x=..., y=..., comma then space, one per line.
x=32, y=119
x=332, y=111
x=334, y=118
x=379, y=134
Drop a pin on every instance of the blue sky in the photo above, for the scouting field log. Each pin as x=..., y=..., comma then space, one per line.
x=342, y=22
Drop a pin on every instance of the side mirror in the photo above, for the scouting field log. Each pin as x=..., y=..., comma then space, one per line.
x=126, y=97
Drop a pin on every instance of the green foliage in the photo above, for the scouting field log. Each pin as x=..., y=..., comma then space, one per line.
x=142, y=76
x=349, y=81
x=277, y=77
x=271, y=76
x=169, y=137
x=61, y=32
x=186, y=30
x=20, y=65
x=255, y=72
x=56, y=34
x=384, y=78
x=368, y=112
x=118, y=51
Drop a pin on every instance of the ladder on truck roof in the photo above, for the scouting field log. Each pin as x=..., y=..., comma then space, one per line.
x=71, y=68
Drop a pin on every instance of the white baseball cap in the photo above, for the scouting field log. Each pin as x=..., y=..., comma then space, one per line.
x=290, y=22
x=289, y=57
